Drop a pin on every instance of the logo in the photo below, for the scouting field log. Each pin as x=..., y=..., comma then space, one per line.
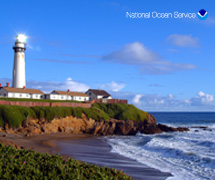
x=202, y=14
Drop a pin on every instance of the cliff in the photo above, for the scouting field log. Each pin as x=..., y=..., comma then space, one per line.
x=101, y=119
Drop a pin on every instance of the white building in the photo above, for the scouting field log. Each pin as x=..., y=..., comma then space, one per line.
x=9, y=92
x=19, y=62
x=67, y=95
x=98, y=94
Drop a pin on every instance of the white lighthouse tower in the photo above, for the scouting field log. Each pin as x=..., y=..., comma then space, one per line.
x=19, y=62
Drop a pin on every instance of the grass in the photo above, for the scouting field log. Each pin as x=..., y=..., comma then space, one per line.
x=122, y=111
x=38, y=100
x=27, y=164
x=15, y=116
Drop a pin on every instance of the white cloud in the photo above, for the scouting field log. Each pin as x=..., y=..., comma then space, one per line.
x=74, y=85
x=154, y=102
x=136, y=99
x=202, y=99
x=183, y=40
x=64, y=86
x=149, y=62
x=113, y=86
x=134, y=53
x=171, y=96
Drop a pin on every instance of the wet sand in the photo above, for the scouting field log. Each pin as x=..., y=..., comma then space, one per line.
x=87, y=148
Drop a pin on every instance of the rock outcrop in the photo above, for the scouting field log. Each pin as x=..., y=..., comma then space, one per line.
x=120, y=127
x=165, y=128
x=102, y=128
x=67, y=124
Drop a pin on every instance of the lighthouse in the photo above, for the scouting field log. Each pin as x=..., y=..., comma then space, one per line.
x=19, y=62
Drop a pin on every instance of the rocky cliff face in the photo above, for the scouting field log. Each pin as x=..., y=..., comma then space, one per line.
x=84, y=125
x=68, y=125
x=120, y=127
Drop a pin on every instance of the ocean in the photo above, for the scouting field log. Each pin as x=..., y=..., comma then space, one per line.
x=186, y=155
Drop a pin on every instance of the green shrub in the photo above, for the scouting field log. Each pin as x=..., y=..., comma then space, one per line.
x=12, y=115
x=27, y=112
x=27, y=164
x=1, y=118
x=122, y=111
x=39, y=112
x=15, y=115
x=95, y=113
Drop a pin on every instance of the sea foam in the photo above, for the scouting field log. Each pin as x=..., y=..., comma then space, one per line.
x=188, y=155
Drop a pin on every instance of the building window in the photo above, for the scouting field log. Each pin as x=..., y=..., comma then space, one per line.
x=4, y=95
x=90, y=93
x=61, y=97
x=20, y=95
x=41, y=96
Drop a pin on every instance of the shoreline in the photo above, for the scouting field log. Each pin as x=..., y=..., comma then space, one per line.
x=88, y=148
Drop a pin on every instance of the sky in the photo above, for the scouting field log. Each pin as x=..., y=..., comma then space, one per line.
x=158, y=64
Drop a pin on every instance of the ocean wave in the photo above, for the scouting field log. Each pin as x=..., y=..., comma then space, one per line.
x=187, y=156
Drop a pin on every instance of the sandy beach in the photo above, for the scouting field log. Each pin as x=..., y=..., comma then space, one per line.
x=86, y=148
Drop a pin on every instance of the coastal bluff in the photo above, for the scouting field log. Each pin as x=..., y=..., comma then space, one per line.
x=100, y=120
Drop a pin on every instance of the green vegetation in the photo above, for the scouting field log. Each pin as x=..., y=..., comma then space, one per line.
x=14, y=116
x=37, y=100
x=122, y=111
x=27, y=164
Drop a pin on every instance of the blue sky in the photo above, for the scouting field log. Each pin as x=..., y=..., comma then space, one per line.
x=157, y=64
